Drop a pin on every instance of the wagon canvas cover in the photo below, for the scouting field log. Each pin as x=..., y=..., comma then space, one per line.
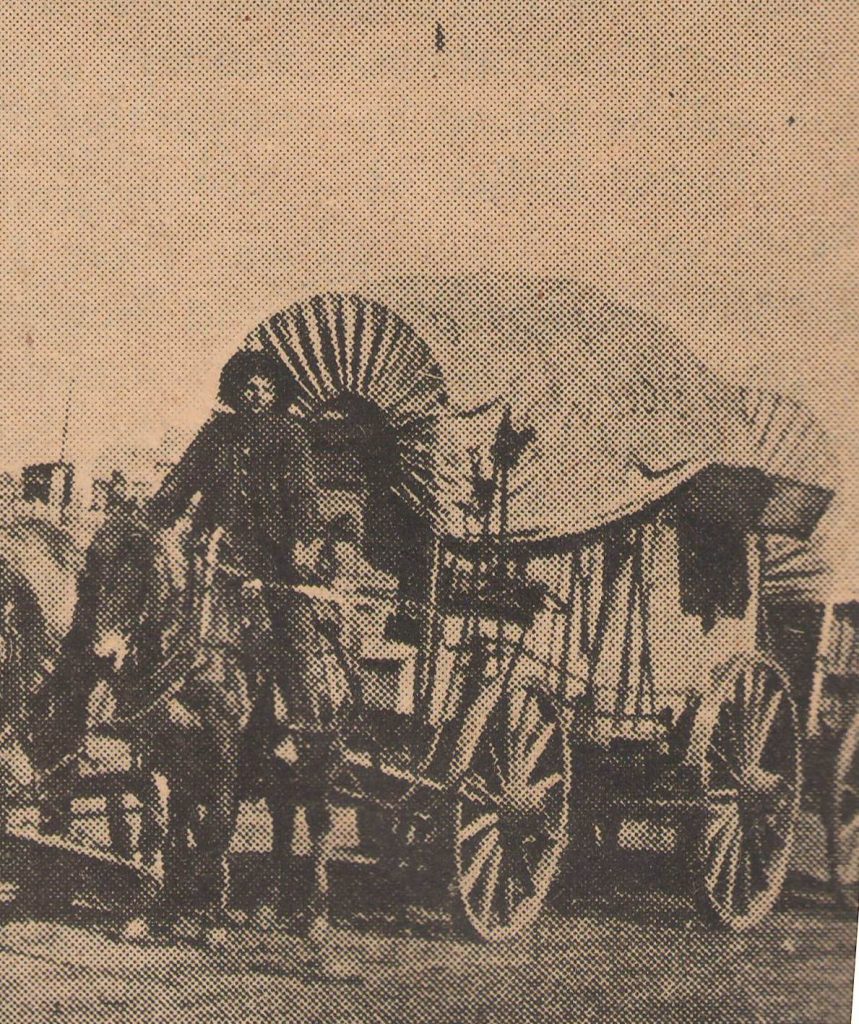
x=621, y=410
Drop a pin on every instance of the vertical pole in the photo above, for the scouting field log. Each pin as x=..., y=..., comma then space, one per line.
x=756, y=559
x=821, y=665
x=429, y=657
x=64, y=440
x=66, y=418
x=625, y=682
x=502, y=450
x=502, y=461
x=570, y=610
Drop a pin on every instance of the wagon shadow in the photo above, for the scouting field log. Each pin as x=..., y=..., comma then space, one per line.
x=655, y=889
x=637, y=887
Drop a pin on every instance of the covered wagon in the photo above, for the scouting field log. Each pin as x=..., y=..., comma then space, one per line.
x=554, y=524
x=546, y=532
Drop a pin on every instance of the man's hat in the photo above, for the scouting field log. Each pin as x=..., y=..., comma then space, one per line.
x=239, y=369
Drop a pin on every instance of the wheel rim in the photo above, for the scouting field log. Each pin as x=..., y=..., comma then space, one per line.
x=845, y=824
x=751, y=779
x=512, y=816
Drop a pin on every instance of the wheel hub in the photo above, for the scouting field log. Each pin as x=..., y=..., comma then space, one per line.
x=519, y=804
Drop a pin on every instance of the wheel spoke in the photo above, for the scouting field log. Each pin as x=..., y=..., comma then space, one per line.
x=756, y=692
x=517, y=705
x=731, y=865
x=490, y=883
x=540, y=790
x=477, y=825
x=528, y=722
x=726, y=763
x=728, y=814
x=474, y=790
x=498, y=760
x=537, y=750
x=738, y=716
x=720, y=835
x=762, y=730
x=481, y=856
x=509, y=886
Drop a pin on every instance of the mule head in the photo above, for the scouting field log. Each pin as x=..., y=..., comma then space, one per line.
x=141, y=571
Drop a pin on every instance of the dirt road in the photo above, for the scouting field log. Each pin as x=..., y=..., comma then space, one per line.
x=631, y=956
x=629, y=947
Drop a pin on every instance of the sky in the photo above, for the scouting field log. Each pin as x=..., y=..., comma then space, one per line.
x=173, y=173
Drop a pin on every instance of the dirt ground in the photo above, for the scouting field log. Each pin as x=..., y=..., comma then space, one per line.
x=627, y=947
x=629, y=957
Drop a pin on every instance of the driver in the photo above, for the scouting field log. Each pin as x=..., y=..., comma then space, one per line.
x=251, y=470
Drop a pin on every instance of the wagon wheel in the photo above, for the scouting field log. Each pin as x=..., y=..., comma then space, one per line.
x=747, y=737
x=511, y=816
x=841, y=812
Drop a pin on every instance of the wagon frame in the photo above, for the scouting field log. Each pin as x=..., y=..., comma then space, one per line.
x=727, y=771
x=537, y=706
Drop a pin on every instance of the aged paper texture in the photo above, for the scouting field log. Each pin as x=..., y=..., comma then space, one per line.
x=429, y=502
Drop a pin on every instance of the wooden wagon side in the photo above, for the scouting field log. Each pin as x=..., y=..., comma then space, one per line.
x=650, y=640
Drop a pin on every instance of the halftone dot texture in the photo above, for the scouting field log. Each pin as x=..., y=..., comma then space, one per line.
x=634, y=224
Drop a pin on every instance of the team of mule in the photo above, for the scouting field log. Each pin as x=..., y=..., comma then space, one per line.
x=489, y=632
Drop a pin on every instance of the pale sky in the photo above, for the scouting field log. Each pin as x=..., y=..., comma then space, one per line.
x=173, y=173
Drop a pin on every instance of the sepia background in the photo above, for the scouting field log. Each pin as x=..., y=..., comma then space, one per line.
x=173, y=173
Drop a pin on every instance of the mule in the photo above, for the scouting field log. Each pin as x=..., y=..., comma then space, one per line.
x=184, y=698
x=195, y=653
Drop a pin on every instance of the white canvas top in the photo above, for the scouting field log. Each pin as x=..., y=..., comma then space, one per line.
x=622, y=412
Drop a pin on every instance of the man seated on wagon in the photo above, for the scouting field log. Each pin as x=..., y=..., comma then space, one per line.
x=252, y=470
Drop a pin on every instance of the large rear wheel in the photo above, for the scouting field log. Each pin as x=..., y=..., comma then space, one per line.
x=748, y=740
x=511, y=816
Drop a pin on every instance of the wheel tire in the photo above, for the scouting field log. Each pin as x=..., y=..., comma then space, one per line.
x=841, y=818
x=511, y=817
x=748, y=741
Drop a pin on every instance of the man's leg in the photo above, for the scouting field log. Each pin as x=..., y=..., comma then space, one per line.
x=283, y=809
x=319, y=825
x=301, y=710
x=301, y=695
x=218, y=794
x=178, y=886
